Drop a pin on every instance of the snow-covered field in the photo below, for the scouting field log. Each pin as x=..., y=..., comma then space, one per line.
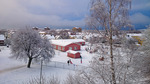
x=15, y=71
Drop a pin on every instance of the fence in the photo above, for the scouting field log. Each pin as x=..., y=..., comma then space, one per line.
x=64, y=65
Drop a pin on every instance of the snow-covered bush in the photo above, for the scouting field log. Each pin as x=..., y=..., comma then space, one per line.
x=44, y=80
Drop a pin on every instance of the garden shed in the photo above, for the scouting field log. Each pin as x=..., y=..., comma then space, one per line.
x=73, y=54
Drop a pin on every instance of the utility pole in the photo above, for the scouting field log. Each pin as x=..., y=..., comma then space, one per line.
x=41, y=70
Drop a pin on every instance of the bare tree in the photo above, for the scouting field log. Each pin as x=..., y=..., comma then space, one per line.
x=64, y=34
x=110, y=15
x=27, y=44
x=142, y=60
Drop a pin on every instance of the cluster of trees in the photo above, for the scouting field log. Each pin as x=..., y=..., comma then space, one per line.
x=64, y=34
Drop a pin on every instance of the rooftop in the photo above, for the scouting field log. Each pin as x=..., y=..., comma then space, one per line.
x=72, y=51
x=64, y=42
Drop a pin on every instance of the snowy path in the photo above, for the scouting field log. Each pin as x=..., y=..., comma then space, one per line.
x=53, y=64
x=11, y=69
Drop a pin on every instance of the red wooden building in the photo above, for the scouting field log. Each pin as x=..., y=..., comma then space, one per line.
x=73, y=54
x=64, y=45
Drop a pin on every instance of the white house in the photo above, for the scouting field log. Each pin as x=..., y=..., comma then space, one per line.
x=49, y=37
x=2, y=40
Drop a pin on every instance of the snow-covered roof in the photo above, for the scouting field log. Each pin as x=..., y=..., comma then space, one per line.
x=92, y=35
x=77, y=36
x=76, y=27
x=42, y=32
x=50, y=36
x=134, y=34
x=72, y=51
x=64, y=42
x=130, y=35
x=2, y=37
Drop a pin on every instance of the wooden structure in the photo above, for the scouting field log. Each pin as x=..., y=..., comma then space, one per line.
x=73, y=54
x=64, y=45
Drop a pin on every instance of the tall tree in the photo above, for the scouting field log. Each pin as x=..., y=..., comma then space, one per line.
x=110, y=15
x=27, y=44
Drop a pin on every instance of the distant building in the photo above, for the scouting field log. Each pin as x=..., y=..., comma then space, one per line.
x=2, y=40
x=77, y=29
x=35, y=28
x=46, y=28
x=136, y=36
x=49, y=37
x=42, y=33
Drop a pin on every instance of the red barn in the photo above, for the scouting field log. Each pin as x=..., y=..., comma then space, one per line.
x=64, y=45
x=73, y=54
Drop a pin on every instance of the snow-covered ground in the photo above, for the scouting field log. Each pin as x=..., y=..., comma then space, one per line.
x=62, y=57
x=5, y=61
x=15, y=72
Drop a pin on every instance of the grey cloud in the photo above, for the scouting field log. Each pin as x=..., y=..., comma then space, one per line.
x=139, y=18
x=140, y=4
x=19, y=13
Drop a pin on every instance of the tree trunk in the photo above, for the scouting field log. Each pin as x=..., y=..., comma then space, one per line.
x=29, y=62
x=111, y=45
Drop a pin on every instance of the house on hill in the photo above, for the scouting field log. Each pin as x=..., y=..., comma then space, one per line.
x=67, y=44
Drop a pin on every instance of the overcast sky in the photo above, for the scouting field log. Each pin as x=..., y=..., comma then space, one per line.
x=59, y=13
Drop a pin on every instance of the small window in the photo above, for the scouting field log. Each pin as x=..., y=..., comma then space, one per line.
x=63, y=48
x=70, y=48
x=75, y=48
x=59, y=47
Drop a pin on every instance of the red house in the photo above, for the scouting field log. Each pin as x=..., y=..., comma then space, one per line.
x=64, y=45
x=73, y=54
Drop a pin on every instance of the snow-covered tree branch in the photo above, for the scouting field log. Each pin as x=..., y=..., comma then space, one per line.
x=27, y=44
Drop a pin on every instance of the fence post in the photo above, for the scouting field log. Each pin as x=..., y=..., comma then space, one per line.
x=55, y=64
